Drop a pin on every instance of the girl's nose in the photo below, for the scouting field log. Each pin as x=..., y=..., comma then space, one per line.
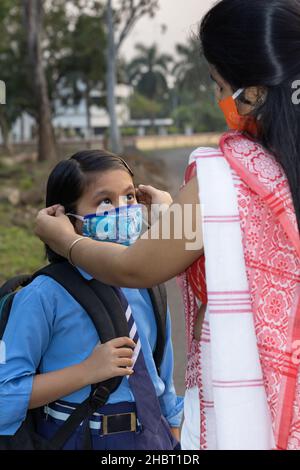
x=123, y=201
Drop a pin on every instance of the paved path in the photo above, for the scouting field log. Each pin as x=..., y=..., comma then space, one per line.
x=176, y=161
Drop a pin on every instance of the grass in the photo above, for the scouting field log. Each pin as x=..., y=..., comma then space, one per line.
x=20, y=252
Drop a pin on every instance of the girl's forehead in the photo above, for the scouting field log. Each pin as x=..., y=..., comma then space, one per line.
x=113, y=180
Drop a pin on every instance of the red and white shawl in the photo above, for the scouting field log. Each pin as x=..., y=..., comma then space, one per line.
x=246, y=365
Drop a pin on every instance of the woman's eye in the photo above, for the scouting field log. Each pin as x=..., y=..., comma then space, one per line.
x=130, y=197
x=218, y=88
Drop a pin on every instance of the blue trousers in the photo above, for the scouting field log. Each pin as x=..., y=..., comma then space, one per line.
x=142, y=439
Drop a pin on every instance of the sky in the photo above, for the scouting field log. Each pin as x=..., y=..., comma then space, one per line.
x=181, y=18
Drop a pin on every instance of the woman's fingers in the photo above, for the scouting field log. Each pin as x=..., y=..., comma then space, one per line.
x=154, y=195
x=147, y=189
x=60, y=210
x=54, y=228
x=49, y=210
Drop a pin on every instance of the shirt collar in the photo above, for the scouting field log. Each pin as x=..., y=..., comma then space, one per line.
x=84, y=274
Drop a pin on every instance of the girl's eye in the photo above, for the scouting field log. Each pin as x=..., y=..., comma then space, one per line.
x=106, y=202
x=130, y=197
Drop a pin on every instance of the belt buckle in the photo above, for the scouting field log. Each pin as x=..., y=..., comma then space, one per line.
x=105, y=418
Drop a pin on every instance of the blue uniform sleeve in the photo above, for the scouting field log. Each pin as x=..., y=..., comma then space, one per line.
x=171, y=404
x=26, y=338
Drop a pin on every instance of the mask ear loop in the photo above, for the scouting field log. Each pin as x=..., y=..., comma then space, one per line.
x=79, y=217
x=238, y=93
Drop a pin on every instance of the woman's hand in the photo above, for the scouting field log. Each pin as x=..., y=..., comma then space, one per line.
x=149, y=195
x=155, y=200
x=54, y=228
x=108, y=360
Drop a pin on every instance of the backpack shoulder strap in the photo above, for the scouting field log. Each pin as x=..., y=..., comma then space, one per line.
x=69, y=278
x=158, y=296
x=91, y=300
x=113, y=305
x=5, y=307
x=14, y=283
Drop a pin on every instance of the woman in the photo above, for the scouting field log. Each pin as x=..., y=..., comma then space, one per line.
x=243, y=301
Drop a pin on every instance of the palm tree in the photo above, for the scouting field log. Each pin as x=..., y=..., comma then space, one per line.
x=191, y=70
x=120, y=22
x=193, y=94
x=148, y=71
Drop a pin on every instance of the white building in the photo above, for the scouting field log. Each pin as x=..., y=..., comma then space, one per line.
x=71, y=121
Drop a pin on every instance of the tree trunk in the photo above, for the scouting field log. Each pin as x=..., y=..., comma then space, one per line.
x=5, y=131
x=89, y=131
x=111, y=79
x=34, y=12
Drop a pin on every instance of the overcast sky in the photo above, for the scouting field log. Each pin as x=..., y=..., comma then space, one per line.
x=181, y=18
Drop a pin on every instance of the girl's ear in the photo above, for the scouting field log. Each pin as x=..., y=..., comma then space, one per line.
x=78, y=225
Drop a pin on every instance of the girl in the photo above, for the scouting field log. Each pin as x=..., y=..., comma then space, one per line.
x=243, y=387
x=48, y=329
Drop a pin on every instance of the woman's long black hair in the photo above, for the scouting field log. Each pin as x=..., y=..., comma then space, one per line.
x=257, y=43
x=69, y=179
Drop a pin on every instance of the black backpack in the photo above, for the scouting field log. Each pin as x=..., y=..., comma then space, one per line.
x=104, y=308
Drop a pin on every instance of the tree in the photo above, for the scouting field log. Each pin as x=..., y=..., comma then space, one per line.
x=84, y=65
x=191, y=70
x=149, y=70
x=33, y=21
x=120, y=22
x=193, y=94
x=12, y=66
x=143, y=108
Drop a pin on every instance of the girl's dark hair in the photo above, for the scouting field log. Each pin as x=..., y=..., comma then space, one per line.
x=257, y=43
x=69, y=179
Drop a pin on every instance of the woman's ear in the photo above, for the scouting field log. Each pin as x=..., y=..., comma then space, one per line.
x=252, y=98
x=255, y=95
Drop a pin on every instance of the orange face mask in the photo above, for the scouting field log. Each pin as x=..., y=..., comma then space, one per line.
x=234, y=119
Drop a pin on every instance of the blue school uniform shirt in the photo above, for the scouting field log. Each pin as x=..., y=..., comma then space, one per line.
x=49, y=330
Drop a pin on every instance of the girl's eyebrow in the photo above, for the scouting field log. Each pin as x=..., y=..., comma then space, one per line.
x=109, y=192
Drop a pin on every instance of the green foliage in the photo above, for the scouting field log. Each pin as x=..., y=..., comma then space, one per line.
x=193, y=95
x=20, y=252
x=143, y=108
x=190, y=102
x=148, y=70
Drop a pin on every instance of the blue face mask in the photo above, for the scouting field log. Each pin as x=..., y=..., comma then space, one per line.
x=122, y=225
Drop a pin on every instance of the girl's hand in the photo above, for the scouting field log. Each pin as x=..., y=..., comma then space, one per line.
x=108, y=360
x=55, y=229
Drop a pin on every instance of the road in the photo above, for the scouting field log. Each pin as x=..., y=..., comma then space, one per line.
x=175, y=162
